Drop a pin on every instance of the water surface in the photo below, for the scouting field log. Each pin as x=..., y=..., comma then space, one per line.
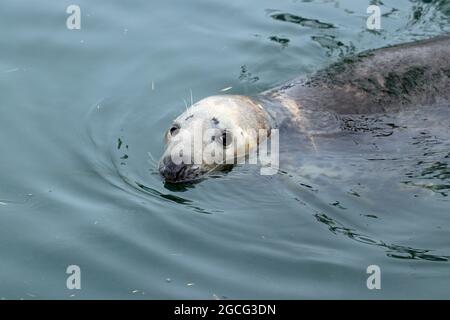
x=82, y=120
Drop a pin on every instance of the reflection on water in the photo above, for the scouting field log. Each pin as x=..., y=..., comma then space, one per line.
x=332, y=45
x=422, y=8
x=409, y=148
x=392, y=250
x=304, y=22
x=282, y=41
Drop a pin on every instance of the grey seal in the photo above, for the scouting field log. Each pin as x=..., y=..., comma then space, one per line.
x=386, y=80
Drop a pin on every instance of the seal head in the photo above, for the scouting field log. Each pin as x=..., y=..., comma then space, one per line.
x=211, y=135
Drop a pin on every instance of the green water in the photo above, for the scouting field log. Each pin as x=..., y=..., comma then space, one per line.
x=82, y=109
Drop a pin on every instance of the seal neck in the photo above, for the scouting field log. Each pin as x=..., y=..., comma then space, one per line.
x=272, y=111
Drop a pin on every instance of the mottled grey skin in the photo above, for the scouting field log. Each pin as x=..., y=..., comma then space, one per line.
x=387, y=80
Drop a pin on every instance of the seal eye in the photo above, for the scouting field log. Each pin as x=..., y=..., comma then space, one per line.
x=226, y=138
x=174, y=130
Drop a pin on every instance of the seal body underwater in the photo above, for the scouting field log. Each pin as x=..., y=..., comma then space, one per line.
x=381, y=81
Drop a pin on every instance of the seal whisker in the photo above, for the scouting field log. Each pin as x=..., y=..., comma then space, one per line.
x=213, y=169
x=185, y=104
x=152, y=159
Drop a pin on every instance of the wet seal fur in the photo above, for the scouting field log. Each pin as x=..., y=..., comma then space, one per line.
x=384, y=80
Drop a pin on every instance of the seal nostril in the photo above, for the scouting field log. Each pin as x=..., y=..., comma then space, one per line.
x=172, y=171
x=180, y=173
x=167, y=161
